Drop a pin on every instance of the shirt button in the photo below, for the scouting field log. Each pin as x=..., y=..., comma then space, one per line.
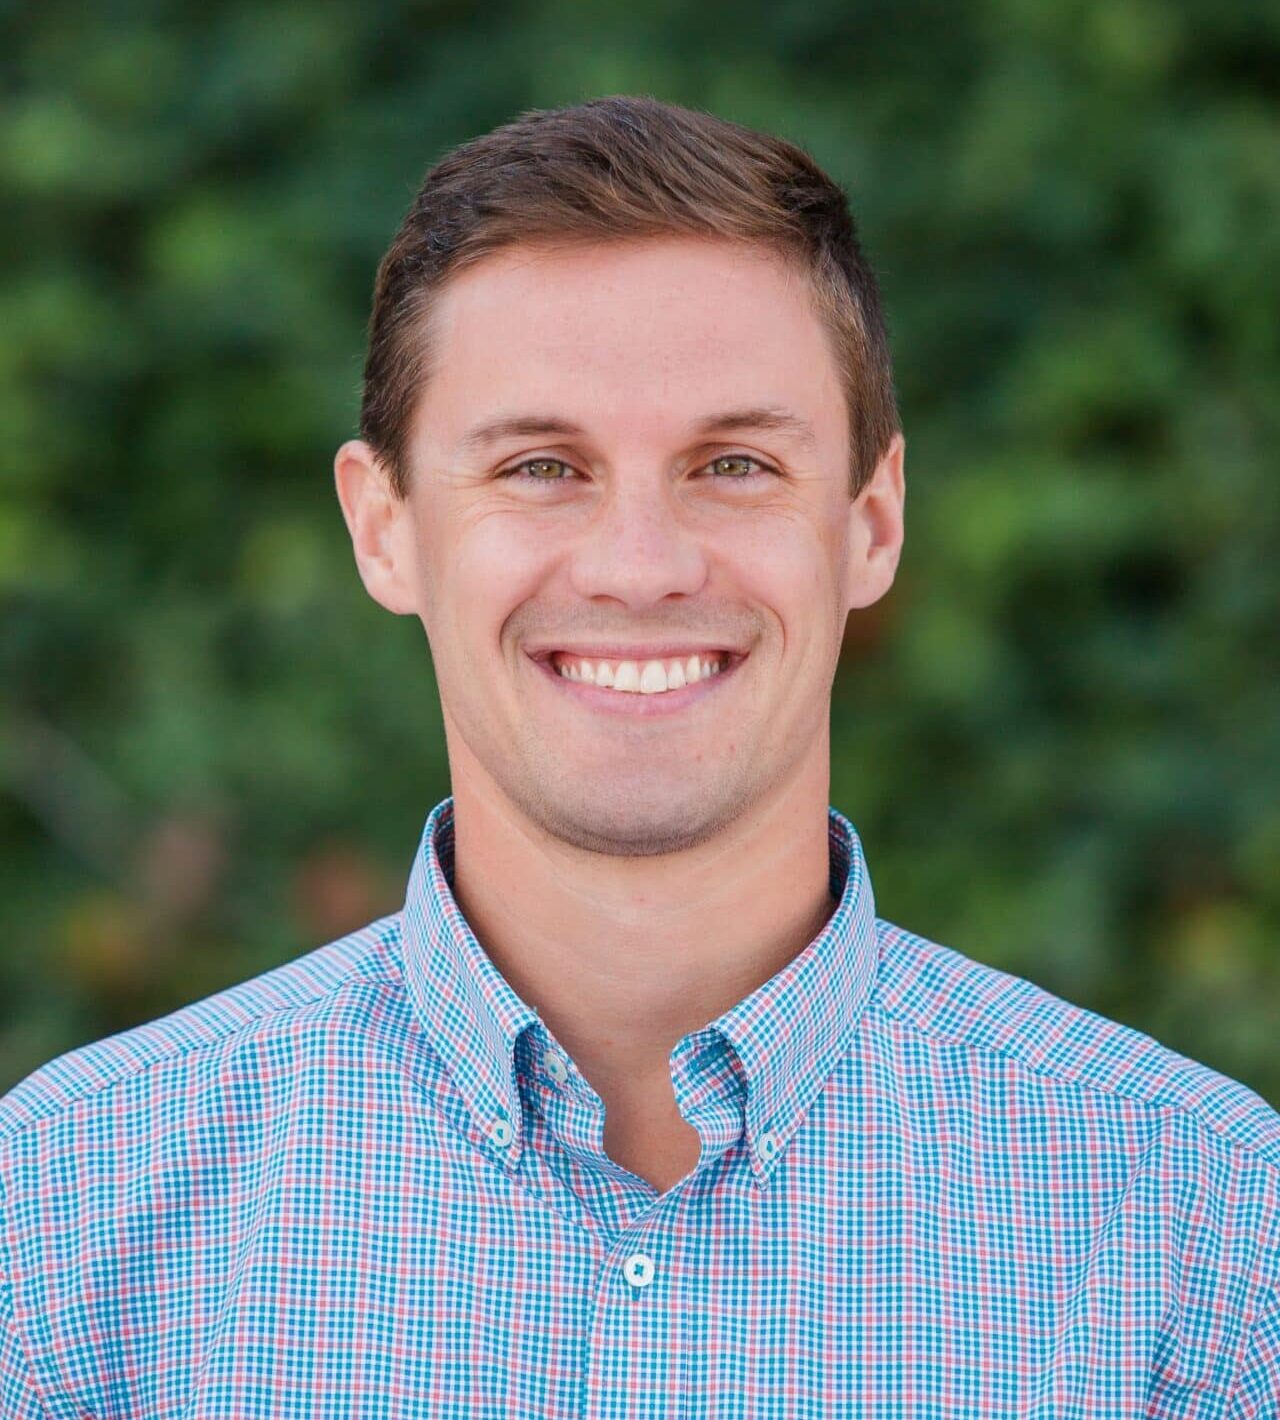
x=555, y=1067
x=768, y=1144
x=638, y=1269
x=500, y=1132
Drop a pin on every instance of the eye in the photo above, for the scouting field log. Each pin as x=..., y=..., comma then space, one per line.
x=516, y=471
x=762, y=470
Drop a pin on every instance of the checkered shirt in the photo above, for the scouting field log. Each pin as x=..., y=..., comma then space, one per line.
x=371, y=1182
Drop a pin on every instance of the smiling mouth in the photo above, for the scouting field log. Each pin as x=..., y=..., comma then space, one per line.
x=644, y=683
x=654, y=676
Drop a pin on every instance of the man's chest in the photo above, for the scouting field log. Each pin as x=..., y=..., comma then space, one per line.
x=876, y=1274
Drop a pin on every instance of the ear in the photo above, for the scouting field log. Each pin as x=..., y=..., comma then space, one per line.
x=876, y=530
x=380, y=525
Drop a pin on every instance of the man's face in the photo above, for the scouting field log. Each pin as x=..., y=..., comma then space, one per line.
x=619, y=532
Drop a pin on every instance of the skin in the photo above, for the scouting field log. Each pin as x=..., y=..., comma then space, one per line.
x=632, y=874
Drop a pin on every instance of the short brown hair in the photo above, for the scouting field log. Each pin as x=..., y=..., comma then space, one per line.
x=624, y=166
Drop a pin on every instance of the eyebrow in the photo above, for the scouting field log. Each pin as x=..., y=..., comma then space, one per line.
x=770, y=417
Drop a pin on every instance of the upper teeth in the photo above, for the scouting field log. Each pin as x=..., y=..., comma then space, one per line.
x=641, y=677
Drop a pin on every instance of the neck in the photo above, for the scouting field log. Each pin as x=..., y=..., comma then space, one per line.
x=622, y=956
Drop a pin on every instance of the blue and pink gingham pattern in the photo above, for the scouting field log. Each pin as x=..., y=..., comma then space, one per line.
x=371, y=1183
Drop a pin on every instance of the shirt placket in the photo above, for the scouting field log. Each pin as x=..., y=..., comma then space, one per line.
x=637, y=1315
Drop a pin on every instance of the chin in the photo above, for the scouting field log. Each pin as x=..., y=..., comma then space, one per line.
x=632, y=825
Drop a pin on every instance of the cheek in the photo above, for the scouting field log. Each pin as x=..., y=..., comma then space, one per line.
x=791, y=566
x=786, y=563
x=491, y=565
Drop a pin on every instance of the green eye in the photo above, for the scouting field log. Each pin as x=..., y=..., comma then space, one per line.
x=732, y=459
x=535, y=464
x=749, y=468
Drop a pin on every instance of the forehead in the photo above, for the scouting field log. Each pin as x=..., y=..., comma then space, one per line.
x=643, y=335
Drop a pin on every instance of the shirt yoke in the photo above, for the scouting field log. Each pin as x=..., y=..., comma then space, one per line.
x=956, y=1000
x=359, y=957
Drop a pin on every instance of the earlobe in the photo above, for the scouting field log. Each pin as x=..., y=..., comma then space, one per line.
x=378, y=524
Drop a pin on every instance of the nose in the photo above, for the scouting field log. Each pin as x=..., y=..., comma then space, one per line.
x=638, y=548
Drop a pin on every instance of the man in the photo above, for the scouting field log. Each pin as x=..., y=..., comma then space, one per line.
x=637, y=1108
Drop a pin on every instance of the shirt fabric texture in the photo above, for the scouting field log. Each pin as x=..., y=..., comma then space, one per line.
x=370, y=1182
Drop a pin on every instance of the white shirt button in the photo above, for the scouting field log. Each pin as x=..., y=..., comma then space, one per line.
x=638, y=1269
x=501, y=1132
x=555, y=1067
x=768, y=1144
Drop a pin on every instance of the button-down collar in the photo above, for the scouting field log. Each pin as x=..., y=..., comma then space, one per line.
x=784, y=1038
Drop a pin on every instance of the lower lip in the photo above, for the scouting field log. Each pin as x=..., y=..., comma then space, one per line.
x=636, y=704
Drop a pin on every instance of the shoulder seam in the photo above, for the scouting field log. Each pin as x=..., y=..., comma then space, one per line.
x=182, y=1051
x=1077, y=1081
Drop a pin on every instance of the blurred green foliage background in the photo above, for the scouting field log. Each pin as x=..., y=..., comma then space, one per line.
x=1059, y=735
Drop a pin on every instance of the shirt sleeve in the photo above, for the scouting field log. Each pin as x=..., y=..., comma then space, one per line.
x=18, y=1398
x=1257, y=1390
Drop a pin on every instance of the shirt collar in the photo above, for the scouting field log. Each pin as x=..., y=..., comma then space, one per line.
x=786, y=1036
